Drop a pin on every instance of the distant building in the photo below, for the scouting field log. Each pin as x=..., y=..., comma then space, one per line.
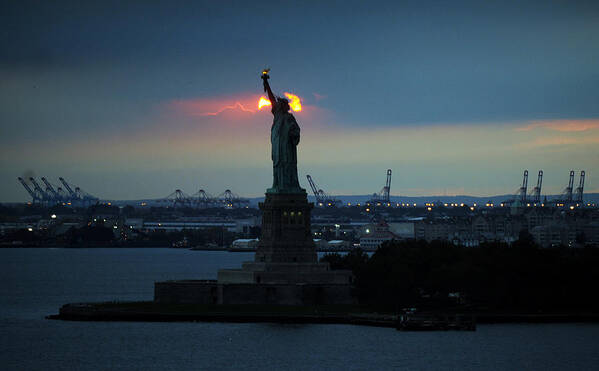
x=249, y=244
x=375, y=234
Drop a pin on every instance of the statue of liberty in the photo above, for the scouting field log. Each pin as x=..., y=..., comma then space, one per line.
x=284, y=138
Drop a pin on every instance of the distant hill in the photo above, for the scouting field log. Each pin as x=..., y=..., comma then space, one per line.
x=353, y=199
x=420, y=200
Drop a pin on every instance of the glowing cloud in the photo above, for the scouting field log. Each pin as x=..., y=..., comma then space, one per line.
x=263, y=102
x=562, y=125
x=243, y=104
x=294, y=102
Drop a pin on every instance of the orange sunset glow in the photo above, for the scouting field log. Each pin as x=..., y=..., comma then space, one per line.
x=263, y=102
x=294, y=102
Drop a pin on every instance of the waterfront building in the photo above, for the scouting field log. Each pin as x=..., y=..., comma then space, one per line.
x=376, y=234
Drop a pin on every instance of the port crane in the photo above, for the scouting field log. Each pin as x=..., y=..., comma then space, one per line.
x=72, y=194
x=524, y=189
x=580, y=189
x=322, y=198
x=384, y=196
x=567, y=193
x=232, y=200
x=536, y=191
x=34, y=196
x=179, y=198
x=56, y=197
x=44, y=196
x=519, y=199
x=203, y=199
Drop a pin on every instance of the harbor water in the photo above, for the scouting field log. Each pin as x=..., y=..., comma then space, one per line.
x=36, y=282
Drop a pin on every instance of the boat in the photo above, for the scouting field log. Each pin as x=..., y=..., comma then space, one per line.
x=435, y=322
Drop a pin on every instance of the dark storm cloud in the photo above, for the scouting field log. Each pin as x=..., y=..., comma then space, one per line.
x=85, y=71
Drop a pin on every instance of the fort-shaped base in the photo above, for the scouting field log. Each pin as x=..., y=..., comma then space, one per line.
x=285, y=273
x=285, y=270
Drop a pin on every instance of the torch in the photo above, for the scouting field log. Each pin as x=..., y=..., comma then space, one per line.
x=265, y=76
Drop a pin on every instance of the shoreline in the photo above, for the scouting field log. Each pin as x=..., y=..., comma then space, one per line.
x=350, y=315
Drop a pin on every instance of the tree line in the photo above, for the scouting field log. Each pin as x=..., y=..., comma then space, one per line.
x=493, y=277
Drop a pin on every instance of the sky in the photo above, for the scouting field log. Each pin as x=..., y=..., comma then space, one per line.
x=132, y=100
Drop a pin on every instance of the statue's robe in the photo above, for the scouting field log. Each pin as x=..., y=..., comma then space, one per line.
x=284, y=137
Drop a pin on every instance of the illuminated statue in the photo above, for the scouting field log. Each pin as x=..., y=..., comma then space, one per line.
x=284, y=137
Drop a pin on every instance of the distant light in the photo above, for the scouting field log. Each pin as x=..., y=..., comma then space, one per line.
x=474, y=205
x=571, y=207
x=115, y=227
x=367, y=230
x=472, y=208
x=429, y=208
x=367, y=209
x=53, y=216
x=337, y=226
x=30, y=229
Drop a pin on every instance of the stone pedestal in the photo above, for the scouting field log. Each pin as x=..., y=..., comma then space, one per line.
x=286, y=236
x=286, y=253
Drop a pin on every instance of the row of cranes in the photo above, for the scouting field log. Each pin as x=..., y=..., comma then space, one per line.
x=203, y=200
x=569, y=195
x=323, y=199
x=51, y=195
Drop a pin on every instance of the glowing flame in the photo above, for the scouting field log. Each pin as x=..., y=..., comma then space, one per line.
x=263, y=102
x=294, y=102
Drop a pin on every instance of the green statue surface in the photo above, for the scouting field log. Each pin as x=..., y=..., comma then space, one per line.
x=284, y=138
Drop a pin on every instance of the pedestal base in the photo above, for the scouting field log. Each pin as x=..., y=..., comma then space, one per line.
x=285, y=273
x=285, y=270
x=286, y=235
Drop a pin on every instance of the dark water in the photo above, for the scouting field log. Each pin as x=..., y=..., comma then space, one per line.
x=36, y=282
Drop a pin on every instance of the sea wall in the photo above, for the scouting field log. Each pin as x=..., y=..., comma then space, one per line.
x=211, y=292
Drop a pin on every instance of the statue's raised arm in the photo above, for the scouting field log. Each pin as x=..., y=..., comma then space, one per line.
x=267, y=89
